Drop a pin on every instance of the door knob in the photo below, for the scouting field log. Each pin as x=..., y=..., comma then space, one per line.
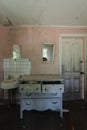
x=81, y=72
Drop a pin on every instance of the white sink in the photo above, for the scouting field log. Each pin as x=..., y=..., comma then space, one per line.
x=9, y=84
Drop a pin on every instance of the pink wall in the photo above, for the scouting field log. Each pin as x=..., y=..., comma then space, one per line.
x=5, y=51
x=31, y=39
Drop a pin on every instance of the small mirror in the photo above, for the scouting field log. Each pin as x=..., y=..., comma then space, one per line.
x=16, y=51
x=48, y=52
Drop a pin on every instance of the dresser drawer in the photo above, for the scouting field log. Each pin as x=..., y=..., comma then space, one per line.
x=30, y=88
x=55, y=103
x=35, y=104
x=29, y=95
x=40, y=104
x=51, y=88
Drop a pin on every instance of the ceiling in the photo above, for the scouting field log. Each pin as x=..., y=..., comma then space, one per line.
x=43, y=12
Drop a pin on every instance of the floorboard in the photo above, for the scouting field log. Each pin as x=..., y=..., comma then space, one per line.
x=75, y=118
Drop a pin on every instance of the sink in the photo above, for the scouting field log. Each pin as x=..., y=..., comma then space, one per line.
x=9, y=84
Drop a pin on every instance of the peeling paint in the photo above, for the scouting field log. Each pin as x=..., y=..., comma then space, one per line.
x=9, y=22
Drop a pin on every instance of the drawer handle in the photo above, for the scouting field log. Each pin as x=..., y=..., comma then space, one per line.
x=28, y=94
x=54, y=102
x=36, y=88
x=45, y=89
x=60, y=88
x=22, y=88
x=54, y=94
x=28, y=103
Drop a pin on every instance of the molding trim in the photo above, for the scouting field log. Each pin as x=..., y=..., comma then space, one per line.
x=44, y=26
x=73, y=35
x=60, y=53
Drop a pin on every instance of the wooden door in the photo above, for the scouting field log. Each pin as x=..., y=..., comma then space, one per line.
x=72, y=61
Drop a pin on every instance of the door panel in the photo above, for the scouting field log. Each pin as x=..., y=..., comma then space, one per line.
x=66, y=58
x=67, y=87
x=76, y=54
x=76, y=85
x=71, y=67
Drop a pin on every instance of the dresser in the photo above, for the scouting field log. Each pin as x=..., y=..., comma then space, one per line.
x=41, y=93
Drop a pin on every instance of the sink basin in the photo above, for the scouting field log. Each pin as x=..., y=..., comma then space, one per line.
x=9, y=84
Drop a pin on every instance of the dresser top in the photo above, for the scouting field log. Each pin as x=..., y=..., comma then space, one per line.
x=40, y=78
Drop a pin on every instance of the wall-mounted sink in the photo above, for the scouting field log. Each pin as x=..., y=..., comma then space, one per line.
x=9, y=84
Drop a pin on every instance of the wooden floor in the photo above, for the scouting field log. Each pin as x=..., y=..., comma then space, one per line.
x=77, y=114
x=75, y=119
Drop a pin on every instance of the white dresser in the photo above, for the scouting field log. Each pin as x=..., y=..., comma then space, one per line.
x=41, y=93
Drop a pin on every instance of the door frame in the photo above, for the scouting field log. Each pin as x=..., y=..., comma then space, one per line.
x=84, y=36
x=85, y=92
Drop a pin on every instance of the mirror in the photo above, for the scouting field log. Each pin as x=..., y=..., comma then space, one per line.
x=16, y=51
x=48, y=52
